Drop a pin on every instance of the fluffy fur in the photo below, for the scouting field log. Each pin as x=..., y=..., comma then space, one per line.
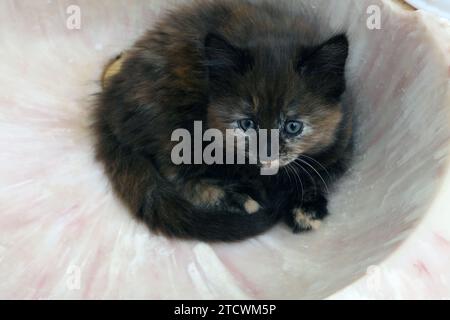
x=220, y=62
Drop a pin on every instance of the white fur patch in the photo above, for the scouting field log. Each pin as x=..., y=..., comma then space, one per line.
x=251, y=206
x=305, y=221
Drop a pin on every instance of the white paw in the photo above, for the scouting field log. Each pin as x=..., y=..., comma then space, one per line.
x=304, y=221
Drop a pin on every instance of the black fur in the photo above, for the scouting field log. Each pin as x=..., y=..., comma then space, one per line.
x=210, y=62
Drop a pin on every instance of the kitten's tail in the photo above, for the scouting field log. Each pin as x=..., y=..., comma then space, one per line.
x=156, y=201
x=165, y=211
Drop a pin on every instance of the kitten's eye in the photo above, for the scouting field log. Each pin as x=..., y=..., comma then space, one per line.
x=294, y=127
x=247, y=124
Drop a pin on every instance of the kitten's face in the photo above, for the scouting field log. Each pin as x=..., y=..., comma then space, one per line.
x=279, y=86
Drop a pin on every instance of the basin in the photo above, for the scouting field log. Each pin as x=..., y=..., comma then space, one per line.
x=65, y=235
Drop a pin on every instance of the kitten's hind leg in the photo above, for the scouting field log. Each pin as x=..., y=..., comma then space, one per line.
x=203, y=193
x=307, y=215
x=208, y=193
x=240, y=201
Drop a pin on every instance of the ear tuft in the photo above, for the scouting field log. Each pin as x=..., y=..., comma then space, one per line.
x=323, y=66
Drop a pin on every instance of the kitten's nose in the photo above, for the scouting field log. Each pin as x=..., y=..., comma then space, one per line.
x=271, y=163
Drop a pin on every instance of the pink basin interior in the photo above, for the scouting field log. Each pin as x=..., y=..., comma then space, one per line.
x=63, y=234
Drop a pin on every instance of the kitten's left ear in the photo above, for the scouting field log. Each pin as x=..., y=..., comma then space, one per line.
x=323, y=66
x=224, y=59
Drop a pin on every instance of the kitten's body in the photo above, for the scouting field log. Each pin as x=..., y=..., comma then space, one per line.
x=184, y=71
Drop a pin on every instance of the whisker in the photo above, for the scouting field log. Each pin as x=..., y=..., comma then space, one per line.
x=295, y=180
x=300, y=180
x=317, y=172
x=306, y=171
x=287, y=173
x=309, y=175
x=312, y=159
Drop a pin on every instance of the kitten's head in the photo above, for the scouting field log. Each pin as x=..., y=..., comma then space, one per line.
x=278, y=84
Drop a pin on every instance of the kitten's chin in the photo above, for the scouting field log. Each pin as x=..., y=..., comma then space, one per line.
x=280, y=163
x=271, y=164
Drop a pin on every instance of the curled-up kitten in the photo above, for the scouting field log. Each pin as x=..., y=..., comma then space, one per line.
x=231, y=65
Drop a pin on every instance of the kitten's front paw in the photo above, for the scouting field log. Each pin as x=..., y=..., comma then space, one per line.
x=305, y=220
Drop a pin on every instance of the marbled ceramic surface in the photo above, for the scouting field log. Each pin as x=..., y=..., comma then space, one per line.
x=63, y=234
x=438, y=7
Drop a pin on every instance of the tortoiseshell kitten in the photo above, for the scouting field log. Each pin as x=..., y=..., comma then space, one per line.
x=231, y=65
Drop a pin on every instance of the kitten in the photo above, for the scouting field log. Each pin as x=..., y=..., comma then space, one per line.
x=230, y=65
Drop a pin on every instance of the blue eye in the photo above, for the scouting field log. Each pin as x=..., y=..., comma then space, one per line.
x=294, y=127
x=247, y=124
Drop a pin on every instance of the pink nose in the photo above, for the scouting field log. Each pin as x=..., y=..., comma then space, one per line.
x=271, y=163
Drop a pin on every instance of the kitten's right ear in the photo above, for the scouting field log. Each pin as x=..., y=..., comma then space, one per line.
x=223, y=59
